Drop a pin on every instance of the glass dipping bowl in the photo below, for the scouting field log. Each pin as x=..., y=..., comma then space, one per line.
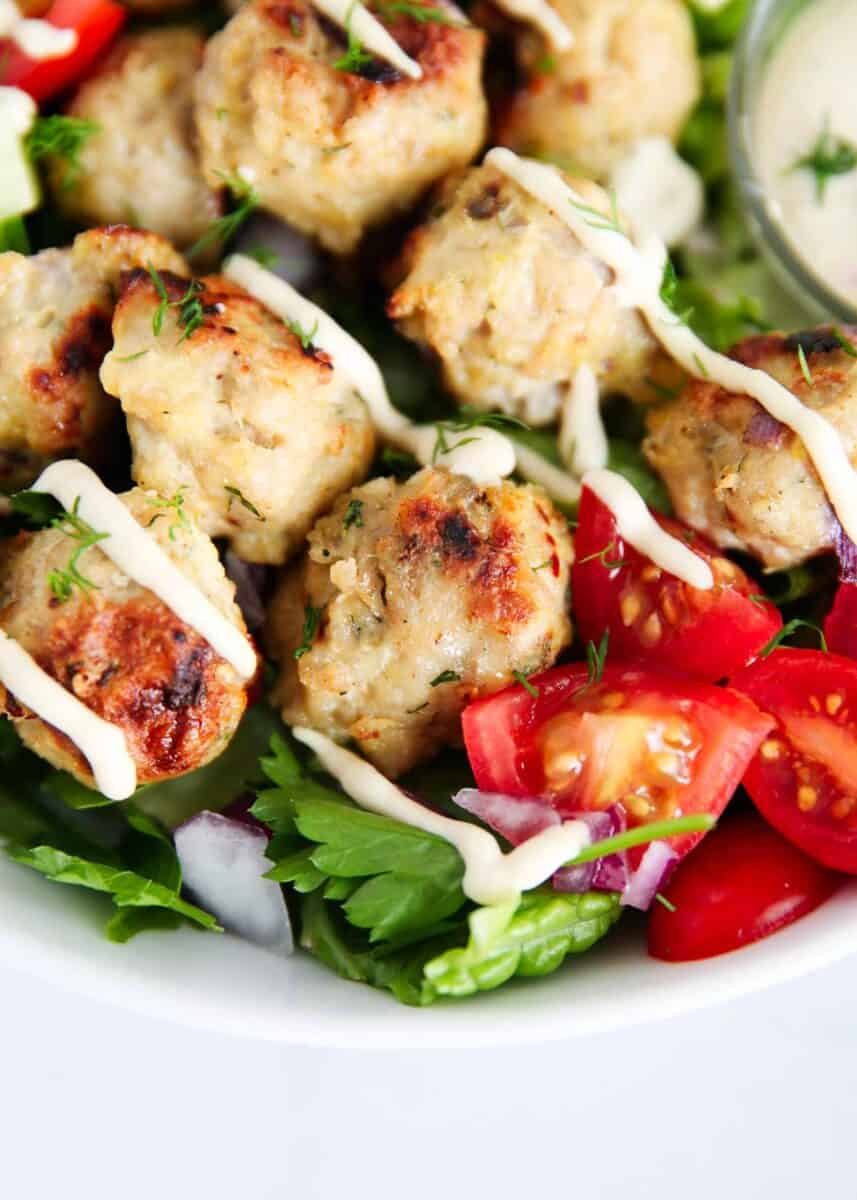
x=764, y=26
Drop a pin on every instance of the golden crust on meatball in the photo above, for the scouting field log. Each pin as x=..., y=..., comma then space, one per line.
x=504, y=294
x=140, y=165
x=329, y=151
x=632, y=73
x=55, y=313
x=121, y=651
x=259, y=431
x=426, y=594
x=739, y=476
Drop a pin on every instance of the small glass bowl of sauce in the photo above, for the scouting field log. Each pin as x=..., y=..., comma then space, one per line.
x=793, y=141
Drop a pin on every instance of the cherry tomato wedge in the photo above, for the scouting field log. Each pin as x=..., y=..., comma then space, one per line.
x=840, y=628
x=744, y=883
x=652, y=616
x=96, y=21
x=804, y=778
x=659, y=745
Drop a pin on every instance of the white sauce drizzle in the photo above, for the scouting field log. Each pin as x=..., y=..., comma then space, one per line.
x=639, y=528
x=102, y=744
x=582, y=437
x=546, y=19
x=39, y=40
x=487, y=455
x=350, y=14
x=490, y=876
x=143, y=560
x=639, y=274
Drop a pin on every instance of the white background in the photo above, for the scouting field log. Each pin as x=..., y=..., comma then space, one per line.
x=756, y=1098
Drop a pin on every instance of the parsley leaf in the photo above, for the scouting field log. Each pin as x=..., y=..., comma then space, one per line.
x=176, y=505
x=786, y=632
x=235, y=493
x=410, y=880
x=63, y=138
x=127, y=888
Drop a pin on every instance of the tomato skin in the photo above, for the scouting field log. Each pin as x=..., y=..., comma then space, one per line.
x=662, y=620
x=813, y=697
x=744, y=883
x=840, y=627
x=97, y=22
x=501, y=735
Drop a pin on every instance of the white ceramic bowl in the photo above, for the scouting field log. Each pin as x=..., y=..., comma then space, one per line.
x=222, y=984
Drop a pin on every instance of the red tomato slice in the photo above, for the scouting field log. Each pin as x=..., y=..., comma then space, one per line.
x=804, y=778
x=652, y=616
x=743, y=884
x=660, y=745
x=840, y=628
x=97, y=22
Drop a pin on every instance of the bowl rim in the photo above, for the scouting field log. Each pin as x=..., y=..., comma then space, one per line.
x=226, y=986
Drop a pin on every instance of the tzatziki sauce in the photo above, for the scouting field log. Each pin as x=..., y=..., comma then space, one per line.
x=804, y=139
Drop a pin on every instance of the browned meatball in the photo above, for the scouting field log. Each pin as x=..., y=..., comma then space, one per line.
x=512, y=304
x=425, y=595
x=260, y=432
x=740, y=477
x=329, y=151
x=631, y=73
x=121, y=651
x=55, y=312
x=140, y=164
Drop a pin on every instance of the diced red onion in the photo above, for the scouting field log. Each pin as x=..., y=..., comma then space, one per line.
x=249, y=580
x=650, y=876
x=223, y=863
x=764, y=431
x=846, y=552
x=515, y=818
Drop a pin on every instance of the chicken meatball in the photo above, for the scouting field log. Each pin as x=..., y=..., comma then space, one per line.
x=120, y=650
x=631, y=73
x=331, y=151
x=739, y=476
x=227, y=405
x=55, y=311
x=413, y=599
x=140, y=164
x=507, y=298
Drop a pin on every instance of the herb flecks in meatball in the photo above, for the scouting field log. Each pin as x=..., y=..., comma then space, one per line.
x=739, y=476
x=332, y=151
x=389, y=627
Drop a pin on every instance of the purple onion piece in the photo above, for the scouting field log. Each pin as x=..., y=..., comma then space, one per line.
x=515, y=818
x=250, y=580
x=576, y=879
x=764, y=431
x=846, y=552
x=655, y=868
x=223, y=866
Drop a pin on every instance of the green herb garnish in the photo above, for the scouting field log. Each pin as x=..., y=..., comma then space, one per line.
x=305, y=337
x=417, y=12
x=355, y=57
x=470, y=418
x=788, y=629
x=804, y=365
x=174, y=504
x=312, y=619
x=525, y=684
x=828, y=157
x=445, y=677
x=63, y=582
x=222, y=230
x=60, y=137
x=353, y=514
x=234, y=494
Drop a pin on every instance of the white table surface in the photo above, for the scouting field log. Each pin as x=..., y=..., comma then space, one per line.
x=753, y=1099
